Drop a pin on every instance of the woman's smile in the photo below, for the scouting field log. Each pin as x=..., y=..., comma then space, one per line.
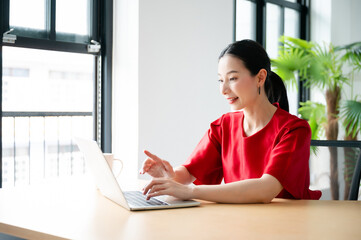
x=232, y=100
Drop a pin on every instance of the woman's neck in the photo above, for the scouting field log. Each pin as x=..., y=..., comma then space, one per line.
x=257, y=116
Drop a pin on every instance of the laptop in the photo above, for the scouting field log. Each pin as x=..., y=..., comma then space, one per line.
x=109, y=187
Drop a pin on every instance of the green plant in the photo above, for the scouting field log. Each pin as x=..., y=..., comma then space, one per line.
x=351, y=109
x=315, y=114
x=351, y=114
x=352, y=54
x=320, y=67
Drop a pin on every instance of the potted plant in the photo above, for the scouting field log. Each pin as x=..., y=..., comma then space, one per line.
x=322, y=67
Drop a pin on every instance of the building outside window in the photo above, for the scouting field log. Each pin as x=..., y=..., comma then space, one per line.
x=51, y=87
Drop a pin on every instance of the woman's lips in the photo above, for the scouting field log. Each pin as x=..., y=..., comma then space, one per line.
x=232, y=100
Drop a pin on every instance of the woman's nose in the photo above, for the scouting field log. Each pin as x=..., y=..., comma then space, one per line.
x=224, y=89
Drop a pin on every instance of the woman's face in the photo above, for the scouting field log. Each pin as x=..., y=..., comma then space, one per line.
x=236, y=82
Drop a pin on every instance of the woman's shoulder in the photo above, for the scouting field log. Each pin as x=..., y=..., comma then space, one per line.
x=289, y=122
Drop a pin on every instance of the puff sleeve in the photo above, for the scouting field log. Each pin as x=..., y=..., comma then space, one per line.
x=289, y=161
x=205, y=162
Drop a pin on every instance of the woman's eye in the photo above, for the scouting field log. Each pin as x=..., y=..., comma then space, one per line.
x=220, y=80
x=232, y=79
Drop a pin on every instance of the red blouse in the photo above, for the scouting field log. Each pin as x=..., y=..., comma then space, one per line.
x=281, y=149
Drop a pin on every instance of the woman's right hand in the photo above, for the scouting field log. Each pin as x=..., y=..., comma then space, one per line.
x=156, y=167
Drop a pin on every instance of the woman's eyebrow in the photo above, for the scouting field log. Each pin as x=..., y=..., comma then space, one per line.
x=232, y=71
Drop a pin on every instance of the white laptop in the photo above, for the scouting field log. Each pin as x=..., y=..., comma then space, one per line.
x=109, y=187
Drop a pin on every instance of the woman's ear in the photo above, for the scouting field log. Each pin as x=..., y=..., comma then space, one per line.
x=261, y=77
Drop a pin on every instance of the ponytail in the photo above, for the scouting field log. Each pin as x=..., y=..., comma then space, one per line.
x=276, y=91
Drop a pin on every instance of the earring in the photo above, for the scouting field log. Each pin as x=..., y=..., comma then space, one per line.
x=259, y=90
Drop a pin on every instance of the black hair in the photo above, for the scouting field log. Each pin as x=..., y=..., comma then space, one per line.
x=256, y=58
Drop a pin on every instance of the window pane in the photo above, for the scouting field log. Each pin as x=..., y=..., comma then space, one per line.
x=73, y=16
x=292, y=29
x=245, y=20
x=39, y=80
x=40, y=90
x=21, y=16
x=273, y=29
x=292, y=23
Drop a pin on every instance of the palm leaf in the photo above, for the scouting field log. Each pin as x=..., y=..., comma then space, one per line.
x=351, y=115
x=317, y=65
x=352, y=54
x=315, y=114
x=296, y=42
x=292, y=61
x=317, y=73
x=289, y=63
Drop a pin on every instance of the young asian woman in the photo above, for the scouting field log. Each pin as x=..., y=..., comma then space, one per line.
x=261, y=152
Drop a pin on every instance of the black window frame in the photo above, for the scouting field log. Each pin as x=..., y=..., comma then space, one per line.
x=101, y=31
x=301, y=6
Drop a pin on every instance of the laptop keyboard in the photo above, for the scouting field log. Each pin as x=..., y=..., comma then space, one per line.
x=136, y=198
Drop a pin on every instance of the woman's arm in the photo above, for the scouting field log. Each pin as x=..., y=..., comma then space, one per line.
x=258, y=190
x=175, y=183
x=183, y=176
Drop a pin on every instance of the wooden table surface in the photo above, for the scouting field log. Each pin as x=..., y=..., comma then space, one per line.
x=74, y=209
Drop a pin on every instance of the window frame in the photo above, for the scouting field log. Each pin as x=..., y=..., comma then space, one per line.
x=301, y=6
x=101, y=31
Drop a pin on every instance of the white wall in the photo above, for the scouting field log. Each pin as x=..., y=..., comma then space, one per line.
x=125, y=84
x=345, y=21
x=169, y=95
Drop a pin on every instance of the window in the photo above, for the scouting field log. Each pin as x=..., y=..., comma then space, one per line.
x=56, y=84
x=265, y=21
x=73, y=20
x=246, y=20
x=273, y=28
x=20, y=16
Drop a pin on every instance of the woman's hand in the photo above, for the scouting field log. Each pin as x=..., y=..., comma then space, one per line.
x=166, y=186
x=157, y=167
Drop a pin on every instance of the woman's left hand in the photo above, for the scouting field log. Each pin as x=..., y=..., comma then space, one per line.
x=167, y=186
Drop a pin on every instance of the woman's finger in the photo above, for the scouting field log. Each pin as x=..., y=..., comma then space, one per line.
x=148, y=186
x=153, y=156
x=148, y=162
x=156, y=188
x=146, y=165
x=155, y=194
x=154, y=181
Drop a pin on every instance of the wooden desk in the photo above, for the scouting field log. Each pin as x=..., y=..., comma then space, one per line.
x=78, y=211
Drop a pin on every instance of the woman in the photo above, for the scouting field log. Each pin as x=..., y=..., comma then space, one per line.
x=261, y=152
